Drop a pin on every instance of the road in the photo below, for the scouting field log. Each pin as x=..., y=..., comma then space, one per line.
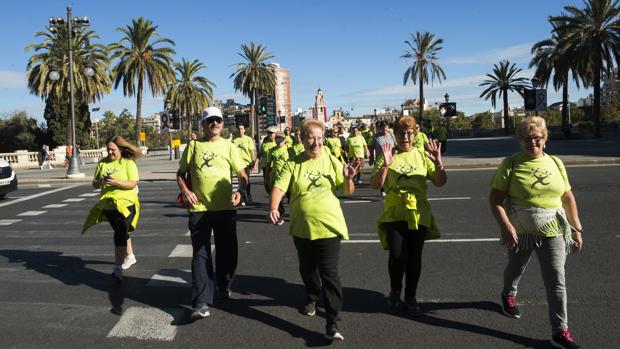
x=56, y=290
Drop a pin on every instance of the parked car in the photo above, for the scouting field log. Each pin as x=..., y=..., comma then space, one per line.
x=8, y=178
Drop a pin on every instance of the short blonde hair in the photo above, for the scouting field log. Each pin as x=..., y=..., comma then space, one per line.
x=532, y=123
x=308, y=123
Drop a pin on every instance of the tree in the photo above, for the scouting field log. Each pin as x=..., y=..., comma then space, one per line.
x=52, y=54
x=422, y=52
x=254, y=77
x=18, y=131
x=482, y=121
x=191, y=93
x=551, y=58
x=595, y=32
x=56, y=117
x=141, y=62
x=503, y=79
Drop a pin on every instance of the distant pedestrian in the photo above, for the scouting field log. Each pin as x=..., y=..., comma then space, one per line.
x=442, y=136
x=382, y=137
x=532, y=202
x=357, y=150
x=407, y=220
x=45, y=157
x=317, y=222
x=68, y=154
x=247, y=149
x=263, y=155
x=117, y=176
x=209, y=162
x=421, y=139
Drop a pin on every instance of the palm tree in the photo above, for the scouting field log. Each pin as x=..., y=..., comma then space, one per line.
x=254, y=77
x=550, y=58
x=52, y=54
x=503, y=79
x=595, y=31
x=191, y=93
x=422, y=52
x=141, y=61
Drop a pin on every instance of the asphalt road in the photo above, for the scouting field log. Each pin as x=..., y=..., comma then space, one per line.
x=56, y=291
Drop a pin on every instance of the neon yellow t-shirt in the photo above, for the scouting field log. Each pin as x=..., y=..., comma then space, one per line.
x=315, y=209
x=334, y=144
x=246, y=148
x=420, y=140
x=288, y=140
x=538, y=182
x=264, y=152
x=121, y=169
x=298, y=148
x=356, y=147
x=278, y=157
x=210, y=171
x=406, y=199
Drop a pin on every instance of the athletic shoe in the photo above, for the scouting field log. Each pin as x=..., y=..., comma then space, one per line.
x=117, y=274
x=564, y=340
x=242, y=203
x=394, y=302
x=200, y=311
x=412, y=307
x=129, y=261
x=359, y=181
x=309, y=309
x=332, y=333
x=224, y=295
x=509, y=306
x=281, y=221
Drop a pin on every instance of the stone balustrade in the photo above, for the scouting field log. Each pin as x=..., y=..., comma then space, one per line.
x=30, y=159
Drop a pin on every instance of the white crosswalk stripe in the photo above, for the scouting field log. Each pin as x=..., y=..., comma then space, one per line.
x=73, y=200
x=55, y=206
x=9, y=221
x=148, y=323
x=31, y=213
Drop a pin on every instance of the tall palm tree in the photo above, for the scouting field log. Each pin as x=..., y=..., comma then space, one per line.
x=191, y=93
x=503, y=79
x=52, y=54
x=141, y=61
x=595, y=31
x=253, y=77
x=423, y=49
x=551, y=59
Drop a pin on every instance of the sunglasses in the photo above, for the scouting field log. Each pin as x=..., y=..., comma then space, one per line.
x=535, y=139
x=214, y=119
x=405, y=134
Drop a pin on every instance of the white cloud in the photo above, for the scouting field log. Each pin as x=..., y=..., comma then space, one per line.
x=12, y=79
x=517, y=54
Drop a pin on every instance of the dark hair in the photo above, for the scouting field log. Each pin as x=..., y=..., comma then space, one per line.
x=128, y=150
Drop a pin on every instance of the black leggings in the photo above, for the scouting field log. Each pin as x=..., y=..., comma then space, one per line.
x=405, y=248
x=120, y=224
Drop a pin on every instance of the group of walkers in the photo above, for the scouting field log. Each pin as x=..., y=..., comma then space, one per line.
x=530, y=198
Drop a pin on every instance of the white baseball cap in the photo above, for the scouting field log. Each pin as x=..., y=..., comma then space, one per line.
x=211, y=112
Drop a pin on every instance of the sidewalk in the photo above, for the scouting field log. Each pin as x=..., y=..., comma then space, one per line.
x=470, y=153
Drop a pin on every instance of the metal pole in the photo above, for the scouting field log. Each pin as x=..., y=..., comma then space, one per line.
x=74, y=166
x=97, y=132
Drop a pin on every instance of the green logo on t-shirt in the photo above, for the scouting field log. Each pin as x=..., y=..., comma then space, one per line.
x=541, y=175
x=208, y=157
x=314, y=176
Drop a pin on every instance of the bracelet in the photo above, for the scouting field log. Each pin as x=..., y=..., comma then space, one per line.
x=580, y=231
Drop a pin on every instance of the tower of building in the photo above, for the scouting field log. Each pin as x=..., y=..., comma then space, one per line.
x=320, y=109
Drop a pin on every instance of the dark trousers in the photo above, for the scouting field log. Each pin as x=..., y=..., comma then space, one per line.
x=405, y=248
x=204, y=279
x=120, y=224
x=246, y=195
x=318, y=266
x=444, y=146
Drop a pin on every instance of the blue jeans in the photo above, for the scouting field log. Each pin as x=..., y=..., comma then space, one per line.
x=551, y=257
x=204, y=279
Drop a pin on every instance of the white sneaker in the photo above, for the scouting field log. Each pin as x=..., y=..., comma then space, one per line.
x=129, y=261
x=281, y=221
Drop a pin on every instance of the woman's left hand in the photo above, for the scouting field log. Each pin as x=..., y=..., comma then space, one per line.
x=236, y=199
x=350, y=170
x=578, y=241
x=110, y=181
x=433, y=147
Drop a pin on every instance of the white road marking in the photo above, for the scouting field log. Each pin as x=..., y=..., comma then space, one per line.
x=89, y=194
x=181, y=251
x=31, y=213
x=438, y=240
x=55, y=206
x=44, y=185
x=454, y=198
x=73, y=200
x=9, y=221
x=171, y=278
x=187, y=234
x=33, y=196
x=355, y=201
x=148, y=324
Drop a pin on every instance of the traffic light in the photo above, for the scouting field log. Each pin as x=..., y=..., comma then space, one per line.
x=175, y=120
x=263, y=105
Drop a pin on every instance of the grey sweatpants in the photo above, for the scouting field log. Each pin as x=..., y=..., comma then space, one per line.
x=551, y=257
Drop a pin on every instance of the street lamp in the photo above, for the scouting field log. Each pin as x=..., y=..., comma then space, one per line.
x=446, y=97
x=73, y=171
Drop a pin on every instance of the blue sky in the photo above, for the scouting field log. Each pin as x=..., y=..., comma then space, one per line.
x=350, y=49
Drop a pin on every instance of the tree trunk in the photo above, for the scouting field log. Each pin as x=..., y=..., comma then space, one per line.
x=506, y=118
x=565, y=102
x=596, y=105
x=421, y=102
x=139, y=111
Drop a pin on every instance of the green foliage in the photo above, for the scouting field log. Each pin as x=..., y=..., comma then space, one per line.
x=18, y=131
x=611, y=112
x=482, y=121
x=123, y=125
x=57, y=116
x=461, y=122
x=552, y=117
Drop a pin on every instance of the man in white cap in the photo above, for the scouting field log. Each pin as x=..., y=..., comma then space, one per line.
x=205, y=181
x=269, y=142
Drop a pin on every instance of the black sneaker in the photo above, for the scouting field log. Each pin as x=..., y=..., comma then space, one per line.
x=509, y=306
x=309, y=309
x=200, y=311
x=412, y=307
x=394, y=302
x=225, y=295
x=564, y=340
x=332, y=333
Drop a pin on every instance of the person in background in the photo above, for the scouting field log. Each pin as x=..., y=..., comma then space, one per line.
x=383, y=136
x=193, y=136
x=68, y=154
x=263, y=155
x=287, y=137
x=442, y=136
x=334, y=143
x=317, y=222
x=421, y=139
x=407, y=220
x=357, y=150
x=117, y=176
x=247, y=149
x=278, y=157
x=210, y=161
x=532, y=202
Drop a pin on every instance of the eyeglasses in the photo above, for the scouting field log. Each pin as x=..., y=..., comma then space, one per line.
x=214, y=119
x=315, y=140
x=405, y=134
x=536, y=139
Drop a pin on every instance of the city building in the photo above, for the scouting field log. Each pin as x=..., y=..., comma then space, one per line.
x=153, y=122
x=610, y=89
x=283, y=95
x=319, y=111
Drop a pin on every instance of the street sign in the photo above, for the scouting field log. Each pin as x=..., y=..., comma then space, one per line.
x=447, y=109
x=142, y=136
x=535, y=99
x=164, y=121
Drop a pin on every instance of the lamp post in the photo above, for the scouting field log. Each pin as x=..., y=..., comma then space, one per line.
x=446, y=97
x=73, y=171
